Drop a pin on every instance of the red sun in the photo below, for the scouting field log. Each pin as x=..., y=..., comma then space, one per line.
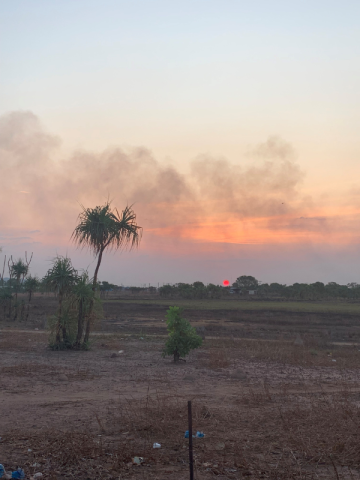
x=226, y=283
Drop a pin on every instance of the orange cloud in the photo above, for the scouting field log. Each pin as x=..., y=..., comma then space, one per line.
x=259, y=201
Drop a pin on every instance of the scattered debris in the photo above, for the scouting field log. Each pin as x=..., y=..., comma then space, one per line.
x=37, y=475
x=18, y=474
x=137, y=460
x=121, y=351
x=198, y=434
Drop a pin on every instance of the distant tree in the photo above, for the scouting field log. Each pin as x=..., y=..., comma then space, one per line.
x=185, y=290
x=166, y=291
x=214, y=291
x=31, y=284
x=182, y=336
x=5, y=299
x=246, y=282
x=103, y=228
x=19, y=270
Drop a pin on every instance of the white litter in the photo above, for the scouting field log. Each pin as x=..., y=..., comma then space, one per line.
x=157, y=445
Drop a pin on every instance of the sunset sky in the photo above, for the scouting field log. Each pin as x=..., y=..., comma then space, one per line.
x=232, y=126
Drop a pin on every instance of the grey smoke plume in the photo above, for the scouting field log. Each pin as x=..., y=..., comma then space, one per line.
x=44, y=193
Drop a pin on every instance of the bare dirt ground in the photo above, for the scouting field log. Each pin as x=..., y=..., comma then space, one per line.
x=268, y=408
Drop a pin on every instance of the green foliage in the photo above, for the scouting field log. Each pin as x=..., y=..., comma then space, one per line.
x=166, y=291
x=74, y=312
x=102, y=227
x=196, y=290
x=61, y=277
x=246, y=282
x=182, y=336
x=19, y=269
x=31, y=285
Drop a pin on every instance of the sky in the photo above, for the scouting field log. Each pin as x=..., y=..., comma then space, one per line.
x=232, y=127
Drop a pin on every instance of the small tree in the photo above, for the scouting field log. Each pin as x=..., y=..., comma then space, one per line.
x=182, y=336
x=31, y=284
x=60, y=279
x=103, y=228
x=246, y=282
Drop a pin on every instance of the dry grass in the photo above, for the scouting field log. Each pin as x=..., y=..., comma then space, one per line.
x=262, y=437
x=30, y=370
x=314, y=353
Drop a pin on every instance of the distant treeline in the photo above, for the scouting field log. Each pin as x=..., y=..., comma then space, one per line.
x=246, y=285
x=243, y=287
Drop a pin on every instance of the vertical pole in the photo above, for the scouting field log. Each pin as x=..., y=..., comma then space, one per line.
x=191, y=457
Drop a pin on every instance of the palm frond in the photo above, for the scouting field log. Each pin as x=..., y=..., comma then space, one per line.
x=102, y=227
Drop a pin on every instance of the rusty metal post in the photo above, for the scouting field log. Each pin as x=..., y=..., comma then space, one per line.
x=191, y=456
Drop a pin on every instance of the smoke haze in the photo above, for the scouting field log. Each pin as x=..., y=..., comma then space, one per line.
x=259, y=200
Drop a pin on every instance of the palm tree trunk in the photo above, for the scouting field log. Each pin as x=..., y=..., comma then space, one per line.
x=28, y=306
x=80, y=324
x=58, y=326
x=91, y=308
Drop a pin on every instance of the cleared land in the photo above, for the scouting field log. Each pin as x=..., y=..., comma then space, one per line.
x=268, y=408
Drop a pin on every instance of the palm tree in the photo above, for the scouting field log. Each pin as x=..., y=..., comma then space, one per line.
x=82, y=295
x=60, y=279
x=19, y=270
x=102, y=228
x=31, y=284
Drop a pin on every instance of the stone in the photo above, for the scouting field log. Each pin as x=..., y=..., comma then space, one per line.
x=64, y=378
x=238, y=375
x=298, y=340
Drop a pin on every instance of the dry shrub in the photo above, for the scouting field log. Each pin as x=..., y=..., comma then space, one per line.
x=216, y=355
x=42, y=370
x=74, y=454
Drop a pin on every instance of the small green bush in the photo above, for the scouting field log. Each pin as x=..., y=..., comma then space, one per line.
x=182, y=336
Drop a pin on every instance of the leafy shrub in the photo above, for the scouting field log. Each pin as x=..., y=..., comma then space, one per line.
x=182, y=336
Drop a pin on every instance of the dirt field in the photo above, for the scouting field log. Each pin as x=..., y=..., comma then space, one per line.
x=268, y=408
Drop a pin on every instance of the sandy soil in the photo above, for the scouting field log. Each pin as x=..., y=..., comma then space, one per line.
x=129, y=400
